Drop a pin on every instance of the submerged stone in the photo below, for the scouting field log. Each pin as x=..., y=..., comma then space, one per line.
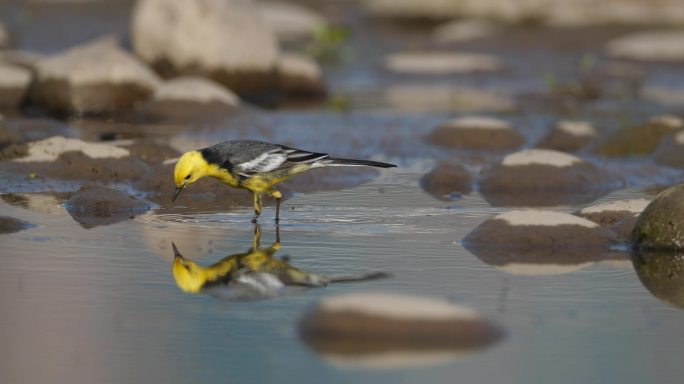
x=661, y=225
x=662, y=45
x=440, y=63
x=447, y=182
x=568, y=136
x=94, y=205
x=11, y=225
x=642, y=139
x=619, y=216
x=477, y=132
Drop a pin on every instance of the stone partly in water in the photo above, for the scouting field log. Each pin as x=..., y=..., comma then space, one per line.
x=446, y=98
x=94, y=205
x=95, y=78
x=225, y=40
x=290, y=21
x=662, y=273
x=14, y=84
x=299, y=76
x=447, y=182
x=440, y=63
x=542, y=177
x=11, y=225
x=463, y=30
x=619, y=216
x=661, y=225
x=568, y=136
x=671, y=151
x=662, y=45
x=642, y=139
x=537, y=242
x=477, y=132
x=379, y=330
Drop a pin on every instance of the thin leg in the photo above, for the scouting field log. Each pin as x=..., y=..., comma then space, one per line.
x=257, y=206
x=278, y=197
x=256, y=239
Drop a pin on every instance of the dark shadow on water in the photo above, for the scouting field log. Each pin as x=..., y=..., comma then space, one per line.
x=254, y=274
x=662, y=273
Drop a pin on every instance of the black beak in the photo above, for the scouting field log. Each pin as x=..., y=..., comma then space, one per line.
x=177, y=192
x=176, y=253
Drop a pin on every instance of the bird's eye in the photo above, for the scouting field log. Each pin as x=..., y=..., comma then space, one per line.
x=187, y=177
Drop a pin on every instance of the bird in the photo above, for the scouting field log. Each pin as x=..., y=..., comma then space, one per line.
x=256, y=166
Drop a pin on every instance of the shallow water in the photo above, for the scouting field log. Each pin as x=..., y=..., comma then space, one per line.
x=101, y=304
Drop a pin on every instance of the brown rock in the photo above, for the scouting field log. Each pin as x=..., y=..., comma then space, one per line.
x=447, y=182
x=11, y=225
x=642, y=139
x=475, y=132
x=94, y=205
x=568, y=136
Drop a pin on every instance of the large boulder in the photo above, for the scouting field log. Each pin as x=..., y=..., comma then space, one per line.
x=641, y=139
x=477, y=132
x=661, y=225
x=666, y=46
x=542, y=177
x=381, y=330
x=94, y=205
x=95, y=78
x=14, y=84
x=568, y=136
x=225, y=40
x=537, y=242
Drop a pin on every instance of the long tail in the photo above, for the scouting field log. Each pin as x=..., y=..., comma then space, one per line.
x=351, y=162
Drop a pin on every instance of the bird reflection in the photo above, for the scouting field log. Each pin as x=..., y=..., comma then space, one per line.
x=251, y=275
x=662, y=273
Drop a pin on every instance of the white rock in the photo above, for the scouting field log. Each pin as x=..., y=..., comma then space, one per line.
x=14, y=83
x=635, y=206
x=576, y=128
x=290, y=21
x=296, y=65
x=669, y=121
x=460, y=31
x=195, y=89
x=649, y=46
x=543, y=218
x=478, y=122
x=440, y=63
x=542, y=157
x=50, y=149
x=397, y=307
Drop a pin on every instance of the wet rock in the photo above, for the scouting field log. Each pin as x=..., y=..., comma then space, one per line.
x=445, y=98
x=20, y=130
x=376, y=330
x=568, y=136
x=666, y=46
x=412, y=9
x=458, y=31
x=189, y=99
x=50, y=149
x=14, y=83
x=619, y=216
x=542, y=177
x=332, y=179
x=477, y=132
x=95, y=78
x=662, y=273
x=225, y=40
x=290, y=21
x=94, y=205
x=205, y=195
x=670, y=152
x=11, y=225
x=151, y=151
x=447, y=182
x=661, y=225
x=48, y=203
x=440, y=63
x=536, y=242
x=641, y=139
x=300, y=76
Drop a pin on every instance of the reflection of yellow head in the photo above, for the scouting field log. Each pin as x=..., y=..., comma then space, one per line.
x=189, y=276
x=190, y=168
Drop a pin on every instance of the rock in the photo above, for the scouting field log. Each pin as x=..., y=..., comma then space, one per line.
x=94, y=205
x=665, y=46
x=670, y=152
x=225, y=40
x=24, y=59
x=376, y=329
x=662, y=273
x=661, y=225
x=447, y=182
x=666, y=95
x=47, y=203
x=542, y=177
x=619, y=216
x=445, y=98
x=50, y=149
x=477, y=132
x=20, y=130
x=536, y=242
x=151, y=151
x=205, y=195
x=332, y=179
x=568, y=136
x=189, y=99
x=4, y=37
x=14, y=83
x=95, y=78
x=440, y=63
x=290, y=21
x=300, y=76
x=11, y=225
x=458, y=31
x=412, y=9
x=642, y=139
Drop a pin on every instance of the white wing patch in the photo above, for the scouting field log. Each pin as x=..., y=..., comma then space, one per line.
x=266, y=162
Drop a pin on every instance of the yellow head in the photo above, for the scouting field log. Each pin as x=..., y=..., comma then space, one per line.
x=189, y=168
x=189, y=276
